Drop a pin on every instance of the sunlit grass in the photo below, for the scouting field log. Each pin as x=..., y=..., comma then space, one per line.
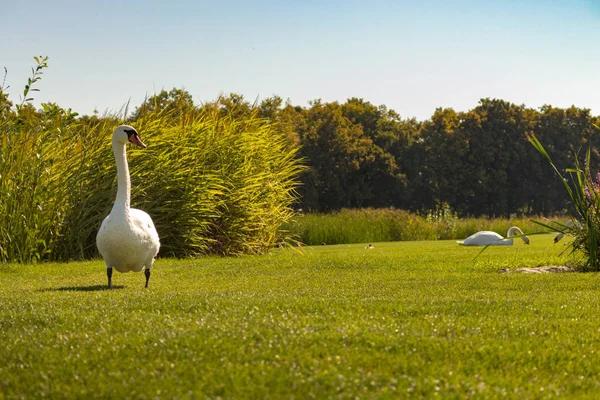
x=400, y=319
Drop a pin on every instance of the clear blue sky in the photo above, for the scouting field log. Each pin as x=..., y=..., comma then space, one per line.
x=412, y=56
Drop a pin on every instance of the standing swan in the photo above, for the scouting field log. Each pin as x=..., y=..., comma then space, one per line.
x=127, y=239
x=485, y=238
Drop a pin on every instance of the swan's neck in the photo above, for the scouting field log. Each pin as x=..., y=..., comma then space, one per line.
x=121, y=205
x=513, y=231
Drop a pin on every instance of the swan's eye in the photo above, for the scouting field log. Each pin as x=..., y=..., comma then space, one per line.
x=130, y=132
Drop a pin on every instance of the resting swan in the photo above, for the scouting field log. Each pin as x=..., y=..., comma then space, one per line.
x=127, y=239
x=485, y=238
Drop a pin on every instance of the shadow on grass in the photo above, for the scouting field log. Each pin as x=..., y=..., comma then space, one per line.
x=92, y=288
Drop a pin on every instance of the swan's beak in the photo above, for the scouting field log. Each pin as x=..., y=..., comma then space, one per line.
x=135, y=139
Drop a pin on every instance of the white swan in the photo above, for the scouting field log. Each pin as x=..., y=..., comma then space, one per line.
x=485, y=238
x=127, y=239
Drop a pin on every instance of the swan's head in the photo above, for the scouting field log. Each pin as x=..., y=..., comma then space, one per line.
x=515, y=230
x=127, y=134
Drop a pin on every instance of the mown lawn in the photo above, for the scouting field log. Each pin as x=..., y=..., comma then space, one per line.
x=410, y=319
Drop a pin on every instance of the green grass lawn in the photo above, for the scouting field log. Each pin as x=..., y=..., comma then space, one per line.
x=410, y=319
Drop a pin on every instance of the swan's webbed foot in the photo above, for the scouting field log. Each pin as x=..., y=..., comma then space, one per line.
x=109, y=275
x=147, y=273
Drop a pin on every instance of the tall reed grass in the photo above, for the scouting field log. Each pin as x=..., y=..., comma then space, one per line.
x=387, y=225
x=583, y=188
x=212, y=184
x=32, y=191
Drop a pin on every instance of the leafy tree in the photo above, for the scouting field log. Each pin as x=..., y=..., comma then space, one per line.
x=344, y=163
x=234, y=106
x=176, y=101
x=365, y=114
x=564, y=132
x=441, y=148
x=270, y=108
x=488, y=163
x=393, y=137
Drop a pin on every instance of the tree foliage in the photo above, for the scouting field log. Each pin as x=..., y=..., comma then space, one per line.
x=477, y=162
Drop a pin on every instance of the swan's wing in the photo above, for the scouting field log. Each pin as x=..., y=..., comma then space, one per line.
x=141, y=219
x=144, y=224
x=102, y=238
x=482, y=238
x=105, y=222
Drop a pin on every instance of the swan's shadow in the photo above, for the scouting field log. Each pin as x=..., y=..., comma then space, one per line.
x=92, y=288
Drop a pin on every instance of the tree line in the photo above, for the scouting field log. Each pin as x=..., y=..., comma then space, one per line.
x=357, y=154
x=477, y=163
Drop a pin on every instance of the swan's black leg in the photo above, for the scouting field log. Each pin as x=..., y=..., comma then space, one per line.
x=109, y=275
x=147, y=273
